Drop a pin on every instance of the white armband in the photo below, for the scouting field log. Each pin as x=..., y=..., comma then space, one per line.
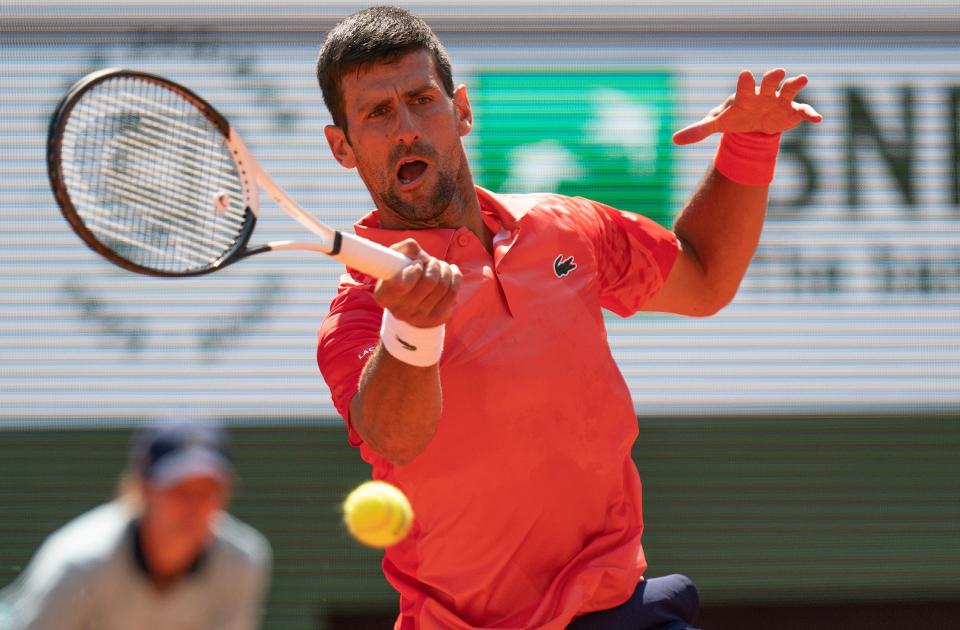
x=416, y=346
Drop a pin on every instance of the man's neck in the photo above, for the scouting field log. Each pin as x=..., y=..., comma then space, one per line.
x=153, y=557
x=464, y=211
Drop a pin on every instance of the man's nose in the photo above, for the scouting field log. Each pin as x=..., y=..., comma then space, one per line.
x=407, y=130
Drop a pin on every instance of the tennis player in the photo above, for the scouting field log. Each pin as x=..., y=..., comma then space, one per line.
x=479, y=379
x=163, y=556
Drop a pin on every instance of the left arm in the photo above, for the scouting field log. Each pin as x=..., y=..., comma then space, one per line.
x=718, y=231
x=720, y=226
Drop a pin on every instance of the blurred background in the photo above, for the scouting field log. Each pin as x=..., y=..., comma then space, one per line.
x=799, y=451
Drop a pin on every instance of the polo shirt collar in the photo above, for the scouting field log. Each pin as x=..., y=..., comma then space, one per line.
x=435, y=241
x=503, y=210
x=507, y=209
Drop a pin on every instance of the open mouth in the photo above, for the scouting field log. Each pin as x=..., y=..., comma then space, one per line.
x=410, y=170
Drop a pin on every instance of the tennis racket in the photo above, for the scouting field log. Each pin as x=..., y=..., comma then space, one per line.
x=155, y=180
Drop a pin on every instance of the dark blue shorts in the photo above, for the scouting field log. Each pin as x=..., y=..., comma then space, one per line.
x=665, y=603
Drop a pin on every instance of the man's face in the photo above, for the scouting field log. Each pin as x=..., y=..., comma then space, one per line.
x=184, y=512
x=404, y=136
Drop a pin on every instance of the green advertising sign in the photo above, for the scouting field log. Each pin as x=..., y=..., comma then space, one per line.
x=602, y=135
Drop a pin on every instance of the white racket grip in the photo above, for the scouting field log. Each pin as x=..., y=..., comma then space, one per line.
x=370, y=258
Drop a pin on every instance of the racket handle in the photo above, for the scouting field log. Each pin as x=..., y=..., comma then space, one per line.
x=370, y=258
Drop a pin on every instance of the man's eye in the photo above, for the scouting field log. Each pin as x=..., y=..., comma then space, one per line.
x=379, y=111
x=423, y=100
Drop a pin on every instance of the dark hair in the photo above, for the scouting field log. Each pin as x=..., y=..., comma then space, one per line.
x=376, y=34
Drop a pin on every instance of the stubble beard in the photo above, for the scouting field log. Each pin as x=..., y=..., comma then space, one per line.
x=427, y=212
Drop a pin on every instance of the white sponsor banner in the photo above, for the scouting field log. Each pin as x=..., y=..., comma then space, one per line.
x=852, y=304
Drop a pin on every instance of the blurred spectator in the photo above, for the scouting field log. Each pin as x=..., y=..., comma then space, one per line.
x=163, y=555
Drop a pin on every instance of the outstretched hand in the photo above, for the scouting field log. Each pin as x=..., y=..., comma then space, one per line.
x=763, y=109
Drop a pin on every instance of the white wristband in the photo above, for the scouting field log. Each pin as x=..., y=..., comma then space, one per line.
x=417, y=346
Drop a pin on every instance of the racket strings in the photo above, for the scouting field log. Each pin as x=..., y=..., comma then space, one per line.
x=151, y=177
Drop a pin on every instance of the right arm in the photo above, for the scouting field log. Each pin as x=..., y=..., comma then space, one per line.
x=397, y=407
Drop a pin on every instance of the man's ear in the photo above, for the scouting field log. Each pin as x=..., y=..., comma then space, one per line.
x=340, y=146
x=464, y=111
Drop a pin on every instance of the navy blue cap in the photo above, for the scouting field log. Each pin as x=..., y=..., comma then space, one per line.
x=167, y=453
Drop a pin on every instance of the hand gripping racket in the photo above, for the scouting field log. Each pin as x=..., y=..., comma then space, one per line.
x=155, y=180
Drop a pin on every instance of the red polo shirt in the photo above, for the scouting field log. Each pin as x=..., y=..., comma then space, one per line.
x=527, y=501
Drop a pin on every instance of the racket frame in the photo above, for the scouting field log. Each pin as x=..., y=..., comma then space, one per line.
x=361, y=254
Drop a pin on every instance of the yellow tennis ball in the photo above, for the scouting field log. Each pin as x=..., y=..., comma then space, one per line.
x=377, y=514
